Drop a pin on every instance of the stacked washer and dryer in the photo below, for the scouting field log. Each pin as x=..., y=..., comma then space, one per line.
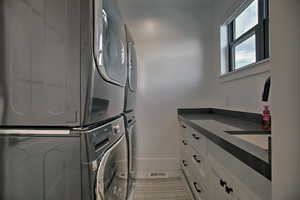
x=63, y=79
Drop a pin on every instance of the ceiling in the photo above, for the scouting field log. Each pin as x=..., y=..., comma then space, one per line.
x=170, y=3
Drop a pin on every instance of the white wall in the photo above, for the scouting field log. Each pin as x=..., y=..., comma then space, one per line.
x=173, y=43
x=178, y=49
x=285, y=46
x=241, y=90
x=179, y=66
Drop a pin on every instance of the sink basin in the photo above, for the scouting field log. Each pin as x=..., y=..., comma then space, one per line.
x=261, y=139
x=258, y=138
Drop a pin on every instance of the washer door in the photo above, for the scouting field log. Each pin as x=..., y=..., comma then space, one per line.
x=112, y=174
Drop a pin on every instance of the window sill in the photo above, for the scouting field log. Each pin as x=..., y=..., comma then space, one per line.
x=247, y=71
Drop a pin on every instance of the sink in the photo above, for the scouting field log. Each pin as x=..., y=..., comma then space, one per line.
x=261, y=139
x=258, y=138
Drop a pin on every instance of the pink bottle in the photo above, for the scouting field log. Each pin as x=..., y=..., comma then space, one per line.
x=266, y=119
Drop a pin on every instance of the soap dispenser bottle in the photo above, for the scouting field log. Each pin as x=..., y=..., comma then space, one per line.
x=266, y=115
x=266, y=119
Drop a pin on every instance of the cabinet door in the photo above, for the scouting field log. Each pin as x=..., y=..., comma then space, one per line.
x=217, y=191
x=221, y=186
x=240, y=196
x=241, y=193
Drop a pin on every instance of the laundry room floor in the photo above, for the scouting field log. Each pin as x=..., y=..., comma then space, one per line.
x=160, y=189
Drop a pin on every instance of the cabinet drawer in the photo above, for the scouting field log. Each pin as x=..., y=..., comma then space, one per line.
x=197, y=140
x=185, y=162
x=183, y=134
x=184, y=150
x=184, y=144
x=200, y=192
x=199, y=167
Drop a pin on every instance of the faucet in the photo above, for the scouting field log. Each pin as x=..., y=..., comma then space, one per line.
x=266, y=92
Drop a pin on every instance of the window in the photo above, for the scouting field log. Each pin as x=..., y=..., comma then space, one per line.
x=248, y=35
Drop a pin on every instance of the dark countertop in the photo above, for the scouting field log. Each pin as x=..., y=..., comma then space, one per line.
x=250, y=146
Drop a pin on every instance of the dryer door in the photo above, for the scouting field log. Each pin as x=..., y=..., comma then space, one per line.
x=110, y=42
x=112, y=174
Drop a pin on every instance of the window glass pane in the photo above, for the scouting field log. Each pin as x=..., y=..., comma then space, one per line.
x=245, y=53
x=247, y=19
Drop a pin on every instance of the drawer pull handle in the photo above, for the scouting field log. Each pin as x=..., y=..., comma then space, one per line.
x=197, y=188
x=228, y=190
x=196, y=159
x=184, y=163
x=196, y=137
x=184, y=142
x=223, y=183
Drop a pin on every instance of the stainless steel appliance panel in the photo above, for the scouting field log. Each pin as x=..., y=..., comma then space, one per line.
x=108, y=64
x=40, y=167
x=50, y=75
x=40, y=69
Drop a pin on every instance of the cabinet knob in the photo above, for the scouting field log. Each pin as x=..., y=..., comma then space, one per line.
x=197, y=188
x=195, y=136
x=228, y=190
x=223, y=183
x=196, y=159
x=116, y=129
x=184, y=163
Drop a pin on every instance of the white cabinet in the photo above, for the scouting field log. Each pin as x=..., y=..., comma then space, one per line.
x=242, y=196
x=225, y=186
x=202, y=162
x=217, y=186
x=222, y=183
x=242, y=193
x=193, y=163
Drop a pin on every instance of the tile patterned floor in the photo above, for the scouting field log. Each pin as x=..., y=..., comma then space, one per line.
x=160, y=189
